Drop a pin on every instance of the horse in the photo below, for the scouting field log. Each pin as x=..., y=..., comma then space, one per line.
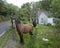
x=34, y=22
x=13, y=22
x=23, y=28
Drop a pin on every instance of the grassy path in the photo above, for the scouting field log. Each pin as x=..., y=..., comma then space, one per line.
x=11, y=44
x=12, y=40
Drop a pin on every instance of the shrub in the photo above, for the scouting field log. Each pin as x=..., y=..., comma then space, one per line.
x=58, y=24
x=48, y=24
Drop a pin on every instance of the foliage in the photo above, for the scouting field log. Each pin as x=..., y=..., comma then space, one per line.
x=2, y=9
x=5, y=38
x=45, y=4
x=35, y=41
x=48, y=24
x=24, y=12
x=6, y=10
x=41, y=32
x=55, y=8
x=58, y=24
x=52, y=6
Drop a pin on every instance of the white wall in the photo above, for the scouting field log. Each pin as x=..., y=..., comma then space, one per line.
x=50, y=20
x=44, y=18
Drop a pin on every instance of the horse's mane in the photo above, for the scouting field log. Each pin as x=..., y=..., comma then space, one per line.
x=17, y=20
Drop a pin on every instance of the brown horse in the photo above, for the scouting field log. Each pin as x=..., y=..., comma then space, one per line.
x=23, y=28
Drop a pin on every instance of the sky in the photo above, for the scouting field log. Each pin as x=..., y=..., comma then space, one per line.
x=20, y=2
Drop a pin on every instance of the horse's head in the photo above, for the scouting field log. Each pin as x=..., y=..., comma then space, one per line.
x=34, y=22
x=15, y=21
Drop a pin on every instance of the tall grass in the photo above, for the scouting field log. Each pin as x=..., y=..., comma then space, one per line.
x=36, y=41
x=5, y=38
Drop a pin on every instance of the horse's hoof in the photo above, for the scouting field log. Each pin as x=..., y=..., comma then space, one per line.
x=22, y=43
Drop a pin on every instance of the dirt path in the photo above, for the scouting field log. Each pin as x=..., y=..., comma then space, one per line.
x=11, y=44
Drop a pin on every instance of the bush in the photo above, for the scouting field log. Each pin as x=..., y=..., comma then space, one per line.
x=48, y=24
x=58, y=24
x=57, y=33
x=3, y=18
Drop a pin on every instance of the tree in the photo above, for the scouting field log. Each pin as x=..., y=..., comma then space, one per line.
x=2, y=6
x=55, y=8
x=24, y=12
x=45, y=4
x=7, y=9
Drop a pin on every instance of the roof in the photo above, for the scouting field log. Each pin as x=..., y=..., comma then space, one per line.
x=45, y=12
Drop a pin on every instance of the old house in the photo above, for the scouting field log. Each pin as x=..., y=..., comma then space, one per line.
x=43, y=17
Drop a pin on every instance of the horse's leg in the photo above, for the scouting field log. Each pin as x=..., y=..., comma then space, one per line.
x=30, y=33
x=12, y=24
x=21, y=39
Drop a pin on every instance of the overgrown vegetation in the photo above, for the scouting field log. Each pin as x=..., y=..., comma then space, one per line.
x=40, y=32
x=28, y=10
x=36, y=41
x=5, y=37
x=6, y=10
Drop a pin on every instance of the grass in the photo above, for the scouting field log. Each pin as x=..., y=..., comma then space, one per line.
x=35, y=41
x=3, y=18
x=5, y=37
x=40, y=32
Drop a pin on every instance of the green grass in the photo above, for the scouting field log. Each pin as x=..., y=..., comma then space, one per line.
x=40, y=32
x=5, y=37
x=35, y=41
